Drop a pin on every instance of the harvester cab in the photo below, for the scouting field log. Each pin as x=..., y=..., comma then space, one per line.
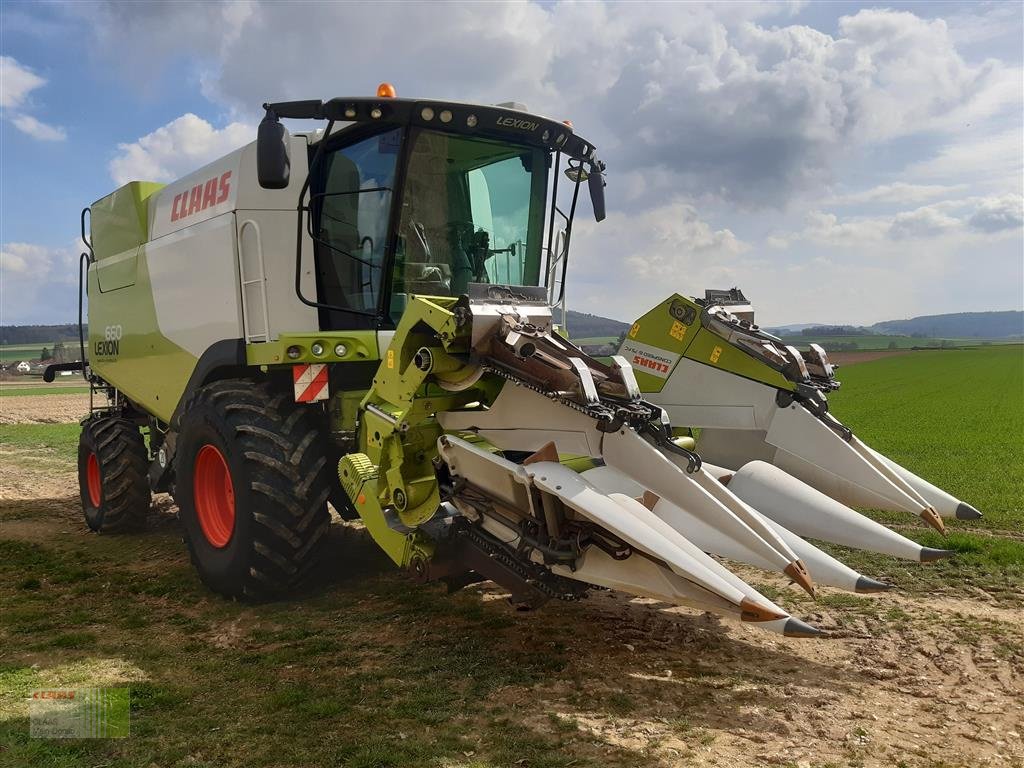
x=372, y=313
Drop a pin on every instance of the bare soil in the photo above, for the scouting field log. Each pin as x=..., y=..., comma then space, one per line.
x=48, y=409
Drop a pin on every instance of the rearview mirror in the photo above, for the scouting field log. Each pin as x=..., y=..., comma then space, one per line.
x=595, y=182
x=273, y=153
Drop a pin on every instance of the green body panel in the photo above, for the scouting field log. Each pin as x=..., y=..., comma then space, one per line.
x=675, y=326
x=359, y=479
x=119, y=222
x=359, y=345
x=713, y=350
x=127, y=349
x=392, y=483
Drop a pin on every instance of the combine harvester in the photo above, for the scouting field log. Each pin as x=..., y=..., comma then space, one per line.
x=764, y=419
x=363, y=314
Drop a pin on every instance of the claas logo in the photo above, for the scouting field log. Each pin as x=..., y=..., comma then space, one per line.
x=213, y=192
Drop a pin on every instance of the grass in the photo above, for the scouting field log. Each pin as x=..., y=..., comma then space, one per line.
x=956, y=419
x=9, y=352
x=58, y=439
x=43, y=389
x=595, y=340
x=881, y=341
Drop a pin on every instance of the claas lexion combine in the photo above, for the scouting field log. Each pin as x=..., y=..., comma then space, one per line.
x=365, y=314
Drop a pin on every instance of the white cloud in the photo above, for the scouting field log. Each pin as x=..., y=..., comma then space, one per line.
x=173, y=150
x=17, y=82
x=979, y=156
x=897, y=192
x=999, y=213
x=38, y=130
x=717, y=101
x=38, y=283
x=628, y=262
x=961, y=220
x=924, y=222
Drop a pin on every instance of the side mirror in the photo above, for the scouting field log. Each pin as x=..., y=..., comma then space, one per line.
x=273, y=153
x=595, y=182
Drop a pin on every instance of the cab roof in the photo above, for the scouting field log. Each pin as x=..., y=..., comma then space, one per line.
x=502, y=121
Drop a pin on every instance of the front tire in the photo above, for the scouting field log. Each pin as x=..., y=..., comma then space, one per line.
x=112, y=479
x=252, y=481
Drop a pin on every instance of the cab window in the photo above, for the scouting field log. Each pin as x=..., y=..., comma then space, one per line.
x=472, y=212
x=351, y=212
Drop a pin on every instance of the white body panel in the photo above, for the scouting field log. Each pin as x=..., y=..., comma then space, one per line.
x=808, y=512
x=824, y=568
x=214, y=229
x=743, y=422
x=691, y=578
x=197, y=313
x=524, y=420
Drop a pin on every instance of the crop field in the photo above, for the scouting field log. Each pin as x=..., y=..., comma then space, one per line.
x=367, y=669
x=9, y=352
x=881, y=341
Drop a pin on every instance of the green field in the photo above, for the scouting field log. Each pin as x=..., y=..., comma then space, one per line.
x=879, y=341
x=9, y=352
x=956, y=419
x=594, y=341
x=11, y=389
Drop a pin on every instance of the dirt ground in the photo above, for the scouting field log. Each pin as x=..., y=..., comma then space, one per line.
x=925, y=680
x=43, y=409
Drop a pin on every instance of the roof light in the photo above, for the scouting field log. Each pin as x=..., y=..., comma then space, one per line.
x=567, y=122
x=375, y=113
x=427, y=113
x=471, y=121
x=386, y=91
x=350, y=113
x=446, y=116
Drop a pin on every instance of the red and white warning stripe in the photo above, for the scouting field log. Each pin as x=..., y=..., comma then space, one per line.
x=310, y=382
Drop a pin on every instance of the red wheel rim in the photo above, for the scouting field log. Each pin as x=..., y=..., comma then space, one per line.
x=92, y=480
x=214, y=496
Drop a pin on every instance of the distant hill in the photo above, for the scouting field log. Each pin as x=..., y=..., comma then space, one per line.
x=38, y=334
x=962, y=325
x=584, y=326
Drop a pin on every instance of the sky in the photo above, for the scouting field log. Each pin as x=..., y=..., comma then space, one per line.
x=840, y=162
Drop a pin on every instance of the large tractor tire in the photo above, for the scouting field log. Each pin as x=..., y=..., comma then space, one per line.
x=112, y=480
x=252, y=479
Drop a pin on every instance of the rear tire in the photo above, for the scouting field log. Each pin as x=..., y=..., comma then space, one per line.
x=252, y=481
x=112, y=479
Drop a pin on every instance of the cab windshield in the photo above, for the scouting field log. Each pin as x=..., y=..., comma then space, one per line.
x=472, y=211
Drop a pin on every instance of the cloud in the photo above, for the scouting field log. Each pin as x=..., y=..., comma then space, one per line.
x=897, y=192
x=173, y=150
x=998, y=214
x=979, y=156
x=38, y=130
x=961, y=219
x=18, y=82
x=628, y=263
x=924, y=222
x=721, y=104
x=35, y=280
